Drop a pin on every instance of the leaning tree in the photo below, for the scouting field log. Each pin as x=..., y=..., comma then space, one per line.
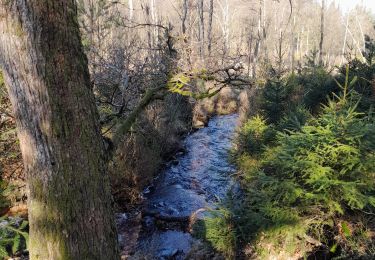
x=48, y=81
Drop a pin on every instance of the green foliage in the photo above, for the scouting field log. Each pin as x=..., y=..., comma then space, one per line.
x=329, y=162
x=254, y=134
x=369, y=52
x=275, y=100
x=13, y=236
x=4, y=203
x=318, y=169
x=218, y=230
x=356, y=237
x=289, y=100
x=294, y=119
x=181, y=83
x=312, y=59
x=317, y=84
x=364, y=73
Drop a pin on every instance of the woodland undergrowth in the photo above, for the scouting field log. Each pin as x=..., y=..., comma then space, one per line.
x=306, y=165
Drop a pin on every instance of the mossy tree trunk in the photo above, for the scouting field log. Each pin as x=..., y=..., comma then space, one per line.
x=46, y=72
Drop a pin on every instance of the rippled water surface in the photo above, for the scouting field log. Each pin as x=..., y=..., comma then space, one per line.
x=197, y=179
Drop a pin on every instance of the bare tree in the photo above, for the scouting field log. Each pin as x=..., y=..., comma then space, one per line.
x=201, y=29
x=321, y=33
x=210, y=19
x=131, y=10
x=224, y=24
x=184, y=16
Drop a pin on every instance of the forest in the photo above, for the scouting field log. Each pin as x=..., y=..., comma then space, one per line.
x=187, y=129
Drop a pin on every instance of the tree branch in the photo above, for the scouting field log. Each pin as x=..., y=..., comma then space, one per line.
x=125, y=126
x=179, y=84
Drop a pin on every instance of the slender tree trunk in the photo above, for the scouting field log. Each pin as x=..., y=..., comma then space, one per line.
x=280, y=54
x=345, y=37
x=260, y=37
x=148, y=20
x=131, y=10
x=307, y=42
x=250, y=54
x=184, y=16
x=210, y=19
x=185, y=34
x=201, y=29
x=362, y=34
x=256, y=57
x=91, y=53
x=154, y=20
x=298, y=44
x=46, y=72
x=264, y=29
x=321, y=33
x=225, y=27
x=293, y=45
x=300, y=40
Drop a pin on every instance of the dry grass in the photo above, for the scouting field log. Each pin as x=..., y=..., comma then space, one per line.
x=228, y=101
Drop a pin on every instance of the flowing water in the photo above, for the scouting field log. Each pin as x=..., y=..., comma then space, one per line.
x=197, y=179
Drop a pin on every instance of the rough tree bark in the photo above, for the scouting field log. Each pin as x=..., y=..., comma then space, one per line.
x=48, y=81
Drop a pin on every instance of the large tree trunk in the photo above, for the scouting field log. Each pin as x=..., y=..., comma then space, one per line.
x=48, y=82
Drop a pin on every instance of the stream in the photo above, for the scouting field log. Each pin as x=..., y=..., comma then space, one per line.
x=197, y=179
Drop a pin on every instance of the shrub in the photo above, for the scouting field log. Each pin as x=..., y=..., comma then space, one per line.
x=364, y=86
x=317, y=173
x=282, y=98
x=274, y=100
x=317, y=84
x=13, y=236
x=218, y=230
x=255, y=134
x=4, y=203
x=294, y=119
x=330, y=160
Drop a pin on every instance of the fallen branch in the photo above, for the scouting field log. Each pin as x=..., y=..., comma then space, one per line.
x=148, y=97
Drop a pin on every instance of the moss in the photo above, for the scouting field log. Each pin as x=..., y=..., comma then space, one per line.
x=8, y=3
x=18, y=30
